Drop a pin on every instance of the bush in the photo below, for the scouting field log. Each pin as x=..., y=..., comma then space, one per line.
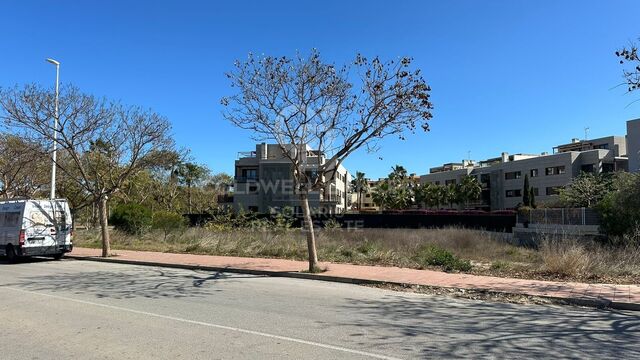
x=168, y=222
x=565, y=257
x=620, y=210
x=436, y=256
x=332, y=224
x=134, y=219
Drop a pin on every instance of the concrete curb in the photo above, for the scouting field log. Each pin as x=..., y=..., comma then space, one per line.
x=600, y=303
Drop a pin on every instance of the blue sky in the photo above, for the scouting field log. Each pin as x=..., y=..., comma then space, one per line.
x=515, y=76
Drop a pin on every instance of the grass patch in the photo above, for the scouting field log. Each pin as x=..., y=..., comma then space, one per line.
x=435, y=255
x=500, y=265
x=451, y=249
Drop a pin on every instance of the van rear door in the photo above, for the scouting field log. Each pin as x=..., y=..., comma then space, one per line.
x=62, y=217
x=38, y=225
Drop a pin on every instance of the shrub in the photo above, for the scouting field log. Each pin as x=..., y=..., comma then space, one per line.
x=284, y=219
x=134, y=219
x=168, y=222
x=499, y=265
x=436, y=256
x=620, y=209
x=332, y=224
x=565, y=257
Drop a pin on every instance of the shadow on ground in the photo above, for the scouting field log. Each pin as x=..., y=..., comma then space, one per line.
x=439, y=327
x=27, y=260
x=144, y=282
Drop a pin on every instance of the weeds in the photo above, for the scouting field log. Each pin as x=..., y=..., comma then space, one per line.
x=451, y=249
x=436, y=256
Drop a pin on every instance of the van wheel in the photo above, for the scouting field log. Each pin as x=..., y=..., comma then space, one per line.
x=11, y=253
x=58, y=256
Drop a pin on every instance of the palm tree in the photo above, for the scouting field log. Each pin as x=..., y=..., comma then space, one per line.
x=398, y=174
x=360, y=184
x=420, y=194
x=382, y=194
x=452, y=194
x=470, y=189
x=427, y=194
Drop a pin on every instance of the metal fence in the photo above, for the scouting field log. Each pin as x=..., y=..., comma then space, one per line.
x=568, y=216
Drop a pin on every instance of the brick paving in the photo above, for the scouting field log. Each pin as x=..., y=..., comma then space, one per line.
x=620, y=294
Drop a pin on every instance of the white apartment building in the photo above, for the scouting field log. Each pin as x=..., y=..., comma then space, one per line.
x=502, y=178
x=264, y=181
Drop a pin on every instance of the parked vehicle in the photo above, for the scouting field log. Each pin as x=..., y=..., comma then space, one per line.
x=35, y=228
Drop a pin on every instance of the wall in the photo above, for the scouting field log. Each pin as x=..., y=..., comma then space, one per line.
x=633, y=145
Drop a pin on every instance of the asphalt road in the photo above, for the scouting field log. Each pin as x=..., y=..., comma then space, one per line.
x=87, y=310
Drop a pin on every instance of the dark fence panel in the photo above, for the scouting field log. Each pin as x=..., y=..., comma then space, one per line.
x=198, y=219
x=491, y=222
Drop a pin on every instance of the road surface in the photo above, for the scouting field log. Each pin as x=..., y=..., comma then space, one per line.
x=88, y=310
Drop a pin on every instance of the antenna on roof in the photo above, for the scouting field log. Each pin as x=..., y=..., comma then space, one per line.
x=586, y=133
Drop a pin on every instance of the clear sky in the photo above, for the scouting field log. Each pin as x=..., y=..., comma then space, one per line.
x=515, y=76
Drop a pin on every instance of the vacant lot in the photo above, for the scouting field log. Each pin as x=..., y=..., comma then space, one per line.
x=451, y=249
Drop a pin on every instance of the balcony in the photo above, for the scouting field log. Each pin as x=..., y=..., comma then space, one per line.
x=331, y=199
x=247, y=154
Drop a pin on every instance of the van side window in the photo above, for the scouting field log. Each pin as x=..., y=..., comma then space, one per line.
x=11, y=219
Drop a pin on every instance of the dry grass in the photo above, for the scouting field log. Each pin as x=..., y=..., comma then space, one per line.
x=585, y=260
x=488, y=252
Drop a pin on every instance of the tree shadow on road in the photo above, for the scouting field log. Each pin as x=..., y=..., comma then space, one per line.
x=439, y=327
x=136, y=282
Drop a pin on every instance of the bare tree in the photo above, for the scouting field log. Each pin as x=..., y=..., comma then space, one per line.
x=105, y=143
x=23, y=169
x=337, y=110
x=631, y=73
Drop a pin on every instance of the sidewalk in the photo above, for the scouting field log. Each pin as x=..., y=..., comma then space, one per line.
x=615, y=296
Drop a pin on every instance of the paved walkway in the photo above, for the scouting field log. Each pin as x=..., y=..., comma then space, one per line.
x=623, y=296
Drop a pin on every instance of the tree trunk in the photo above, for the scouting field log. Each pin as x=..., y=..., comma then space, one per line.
x=106, y=246
x=311, y=236
x=189, y=197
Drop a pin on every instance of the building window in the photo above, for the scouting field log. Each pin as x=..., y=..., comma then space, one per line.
x=553, y=190
x=250, y=174
x=556, y=170
x=253, y=188
x=533, y=173
x=253, y=209
x=608, y=168
x=514, y=193
x=485, y=178
x=450, y=182
x=589, y=168
x=312, y=175
x=437, y=182
x=512, y=175
x=601, y=146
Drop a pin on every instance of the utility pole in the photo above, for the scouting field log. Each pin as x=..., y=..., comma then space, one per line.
x=55, y=131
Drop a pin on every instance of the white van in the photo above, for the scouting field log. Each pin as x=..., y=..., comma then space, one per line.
x=35, y=228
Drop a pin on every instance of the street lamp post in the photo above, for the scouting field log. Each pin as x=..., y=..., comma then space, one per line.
x=55, y=131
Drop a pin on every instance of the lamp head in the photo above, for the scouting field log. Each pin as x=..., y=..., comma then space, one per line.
x=54, y=62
